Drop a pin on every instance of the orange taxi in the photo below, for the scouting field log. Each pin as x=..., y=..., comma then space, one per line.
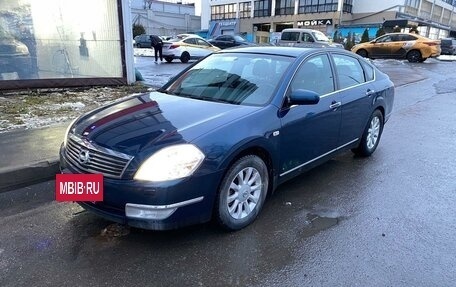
x=413, y=47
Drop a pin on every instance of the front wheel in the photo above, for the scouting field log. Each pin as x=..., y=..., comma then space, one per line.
x=168, y=59
x=371, y=135
x=242, y=193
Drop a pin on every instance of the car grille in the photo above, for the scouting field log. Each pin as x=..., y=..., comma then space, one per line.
x=89, y=157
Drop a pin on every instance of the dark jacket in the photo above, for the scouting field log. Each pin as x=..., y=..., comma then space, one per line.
x=155, y=40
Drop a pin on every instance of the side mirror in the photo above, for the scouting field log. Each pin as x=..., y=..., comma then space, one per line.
x=303, y=97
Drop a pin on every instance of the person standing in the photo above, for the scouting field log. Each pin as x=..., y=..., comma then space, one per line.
x=157, y=44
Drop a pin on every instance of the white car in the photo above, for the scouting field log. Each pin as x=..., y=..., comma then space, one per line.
x=190, y=48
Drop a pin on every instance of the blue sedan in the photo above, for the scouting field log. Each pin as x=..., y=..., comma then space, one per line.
x=224, y=133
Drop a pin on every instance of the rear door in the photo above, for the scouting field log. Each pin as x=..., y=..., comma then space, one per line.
x=356, y=92
x=401, y=44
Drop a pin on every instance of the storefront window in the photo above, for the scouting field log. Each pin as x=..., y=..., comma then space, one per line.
x=59, y=39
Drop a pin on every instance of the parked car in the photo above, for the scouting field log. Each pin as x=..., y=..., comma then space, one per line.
x=187, y=48
x=14, y=57
x=143, y=41
x=448, y=46
x=229, y=41
x=305, y=38
x=225, y=132
x=413, y=47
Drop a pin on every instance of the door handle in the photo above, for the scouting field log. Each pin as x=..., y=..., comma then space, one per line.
x=370, y=92
x=335, y=105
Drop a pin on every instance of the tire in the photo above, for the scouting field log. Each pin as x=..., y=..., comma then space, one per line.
x=362, y=53
x=168, y=59
x=185, y=57
x=414, y=56
x=371, y=135
x=239, y=199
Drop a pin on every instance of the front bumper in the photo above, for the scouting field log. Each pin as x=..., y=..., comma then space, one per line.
x=156, y=206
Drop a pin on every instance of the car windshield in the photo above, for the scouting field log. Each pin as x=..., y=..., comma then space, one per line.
x=239, y=38
x=234, y=78
x=320, y=36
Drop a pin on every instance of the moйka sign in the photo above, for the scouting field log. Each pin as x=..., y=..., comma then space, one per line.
x=316, y=22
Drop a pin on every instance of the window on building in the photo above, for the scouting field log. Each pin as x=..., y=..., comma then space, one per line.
x=285, y=7
x=348, y=6
x=219, y=12
x=262, y=8
x=317, y=6
x=412, y=3
x=244, y=10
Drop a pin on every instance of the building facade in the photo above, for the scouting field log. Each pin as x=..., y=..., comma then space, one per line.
x=262, y=20
x=165, y=18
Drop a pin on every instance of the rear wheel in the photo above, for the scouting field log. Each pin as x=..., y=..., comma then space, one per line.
x=414, y=56
x=362, y=53
x=242, y=193
x=168, y=59
x=371, y=135
x=185, y=57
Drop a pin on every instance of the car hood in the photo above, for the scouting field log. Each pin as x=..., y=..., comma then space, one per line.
x=144, y=122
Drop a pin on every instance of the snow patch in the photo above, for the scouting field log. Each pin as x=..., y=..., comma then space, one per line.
x=447, y=57
x=74, y=106
x=144, y=52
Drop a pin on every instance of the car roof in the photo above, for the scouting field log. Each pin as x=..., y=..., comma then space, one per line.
x=279, y=50
x=298, y=30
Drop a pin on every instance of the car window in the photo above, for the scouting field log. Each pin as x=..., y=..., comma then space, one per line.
x=348, y=70
x=201, y=42
x=406, y=37
x=191, y=41
x=384, y=39
x=290, y=36
x=223, y=38
x=241, y=79
x=306, y=37
x=315, y=75
x=368, y=71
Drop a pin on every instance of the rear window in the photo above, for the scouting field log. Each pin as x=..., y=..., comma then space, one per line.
x=290, y=36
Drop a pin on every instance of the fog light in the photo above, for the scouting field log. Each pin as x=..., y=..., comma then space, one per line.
x=140, y=211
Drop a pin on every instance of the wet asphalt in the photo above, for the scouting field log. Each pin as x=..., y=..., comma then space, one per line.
x=388, y=220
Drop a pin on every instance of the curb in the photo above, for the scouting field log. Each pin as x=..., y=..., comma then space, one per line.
x=15, y=177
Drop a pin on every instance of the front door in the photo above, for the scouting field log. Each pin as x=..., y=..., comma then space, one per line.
x=310, y=131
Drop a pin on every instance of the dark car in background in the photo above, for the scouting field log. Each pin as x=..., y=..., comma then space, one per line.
x=219, y=137
x=229, y=41
x=143, y=41
x=14, y=58
x=448, y=46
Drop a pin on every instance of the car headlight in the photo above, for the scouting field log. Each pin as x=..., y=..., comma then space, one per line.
x=173, y=162
x=22, y=49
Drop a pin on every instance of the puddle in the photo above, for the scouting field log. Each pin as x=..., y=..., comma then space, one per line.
x=320, y=222
x=115, y=230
